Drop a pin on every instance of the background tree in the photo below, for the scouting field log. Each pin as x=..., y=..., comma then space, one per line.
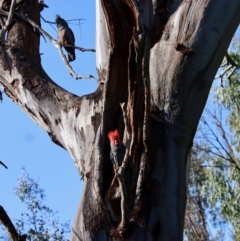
x=157, y=57
x=214, y=189
x=214, y=175
x=38, y=222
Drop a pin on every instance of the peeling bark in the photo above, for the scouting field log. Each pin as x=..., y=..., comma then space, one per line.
x=159, y=57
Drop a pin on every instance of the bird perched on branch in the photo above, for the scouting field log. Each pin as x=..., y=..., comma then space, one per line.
x=118, y=149
x=65, y=36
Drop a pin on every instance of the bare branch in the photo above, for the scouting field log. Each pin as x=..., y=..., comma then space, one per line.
x=215, y=153
x=230, y=65
x=79, y=19
x=71, y=71
x=217, y=139
x=3, y=164
x=9, y=19
x=79, y=48
x=216, y=166
x=224, y=63
x=48, y=22
x=228, y=151
x=231, y=73
x=6, y=221
x=221, y=130
x=230, y=60
x=224, y=72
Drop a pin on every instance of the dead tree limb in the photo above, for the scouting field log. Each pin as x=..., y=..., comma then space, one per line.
x=7, y=223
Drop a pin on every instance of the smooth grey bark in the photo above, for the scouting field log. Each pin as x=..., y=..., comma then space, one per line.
x=157, y=57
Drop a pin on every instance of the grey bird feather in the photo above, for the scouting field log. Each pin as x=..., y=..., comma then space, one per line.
x=117, y=154
x=66, y=36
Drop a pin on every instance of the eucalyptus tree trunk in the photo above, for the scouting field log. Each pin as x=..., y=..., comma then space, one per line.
x=159, y=58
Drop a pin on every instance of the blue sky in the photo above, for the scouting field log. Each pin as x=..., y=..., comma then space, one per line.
x=24, y=143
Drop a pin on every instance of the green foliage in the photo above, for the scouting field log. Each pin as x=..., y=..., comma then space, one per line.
x=223, y=191
x=229, y=96
x=225, y=182
x=215, y=163
x=195, y=220
x=39, y=222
